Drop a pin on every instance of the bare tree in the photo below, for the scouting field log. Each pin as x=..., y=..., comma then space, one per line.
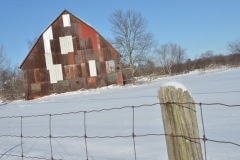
x=170, y=54
x=234, y=46
x=4, y=66
x=207, y=55
x=165, y=58
x=131, y=37
x=13, y=87
x=30, y=43
x=181, y=57
x=206, y=60
x=11, y=84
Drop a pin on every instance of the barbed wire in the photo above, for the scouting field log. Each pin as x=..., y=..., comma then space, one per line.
x=118, y=136
x=12, y=155
x=133, y=135
x=109, y=109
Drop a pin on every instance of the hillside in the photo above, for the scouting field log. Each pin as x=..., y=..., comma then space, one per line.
x=221, y=123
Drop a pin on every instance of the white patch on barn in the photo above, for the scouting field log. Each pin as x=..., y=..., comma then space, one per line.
x=55, y=71
x=66, y=44
x=47, y=36
x=92, y=68
x=66, y=20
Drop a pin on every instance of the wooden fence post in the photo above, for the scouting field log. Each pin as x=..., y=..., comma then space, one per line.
x=180, y=122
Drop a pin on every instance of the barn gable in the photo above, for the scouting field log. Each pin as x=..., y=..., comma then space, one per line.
x=69, y=55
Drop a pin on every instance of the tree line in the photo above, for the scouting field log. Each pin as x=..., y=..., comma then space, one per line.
x=11, y=83
x=141, y=55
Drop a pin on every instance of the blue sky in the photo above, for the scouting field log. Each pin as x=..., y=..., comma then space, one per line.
x=197, y=26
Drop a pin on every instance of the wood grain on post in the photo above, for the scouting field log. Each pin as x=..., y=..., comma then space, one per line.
x=180, y=120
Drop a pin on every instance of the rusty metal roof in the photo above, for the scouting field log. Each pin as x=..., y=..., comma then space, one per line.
x=64, y=11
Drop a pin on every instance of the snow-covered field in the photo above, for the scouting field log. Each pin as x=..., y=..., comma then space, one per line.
x=221, y=123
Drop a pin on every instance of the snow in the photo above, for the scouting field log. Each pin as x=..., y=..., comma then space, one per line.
x=175, y=84
x=221, y=123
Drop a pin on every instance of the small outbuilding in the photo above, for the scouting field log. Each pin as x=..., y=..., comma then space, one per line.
x=67, y=56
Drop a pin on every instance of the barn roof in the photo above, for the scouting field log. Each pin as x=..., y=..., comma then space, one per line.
x=64, y=11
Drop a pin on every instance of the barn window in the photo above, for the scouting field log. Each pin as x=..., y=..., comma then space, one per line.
x=110, y=66
x=92, y=68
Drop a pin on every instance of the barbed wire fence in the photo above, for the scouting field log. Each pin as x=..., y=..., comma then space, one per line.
x=133, y=135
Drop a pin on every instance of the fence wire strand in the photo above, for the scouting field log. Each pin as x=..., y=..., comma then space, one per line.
x=191, y=139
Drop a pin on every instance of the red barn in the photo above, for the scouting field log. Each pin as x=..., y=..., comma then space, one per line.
x=67, y=56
